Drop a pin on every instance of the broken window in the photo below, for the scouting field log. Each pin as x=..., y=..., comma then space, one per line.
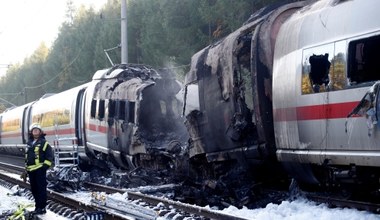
x=364, y=60
x=101, y=109
x=111, y=108
x=131, y=112
x=316, y=71
x=163, y=107
x=191, y=99
x=319, y=71
x=93, y=108
x=244, y=67
x=121, y=113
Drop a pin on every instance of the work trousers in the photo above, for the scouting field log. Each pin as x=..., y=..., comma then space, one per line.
x=38, y=186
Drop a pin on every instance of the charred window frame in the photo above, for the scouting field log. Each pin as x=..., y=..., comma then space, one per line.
x=101, y=109
x=131, y=112
x=121, y=113
x=111, y=108
x=126, y=111
x=163, y=109
x=363, y=57
x=243, y=68
x=191, y=99
x=93, y=108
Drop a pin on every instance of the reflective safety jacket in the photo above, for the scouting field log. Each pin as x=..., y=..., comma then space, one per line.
x=38, y=154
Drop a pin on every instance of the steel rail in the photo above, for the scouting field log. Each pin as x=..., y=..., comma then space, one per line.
x=60, y=198
x=193, y=209
x=337, y=202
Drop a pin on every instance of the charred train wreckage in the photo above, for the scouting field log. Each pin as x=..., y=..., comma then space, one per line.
x=294, y=88
x=292, y=92
x=127, y=116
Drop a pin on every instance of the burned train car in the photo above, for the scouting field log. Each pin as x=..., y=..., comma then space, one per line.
x=132, y=114
x=297, y=85
x=228, y=95
x=128, y=114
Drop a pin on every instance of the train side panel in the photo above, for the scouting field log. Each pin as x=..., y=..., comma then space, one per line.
x=323, y=68
x=231, y=118
x=58, y=115
x=13, y=132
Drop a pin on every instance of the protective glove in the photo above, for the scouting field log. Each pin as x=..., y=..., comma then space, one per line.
x=23, y=176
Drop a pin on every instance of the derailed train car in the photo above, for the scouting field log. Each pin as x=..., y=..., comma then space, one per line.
x=292, y=85
x=124, y=112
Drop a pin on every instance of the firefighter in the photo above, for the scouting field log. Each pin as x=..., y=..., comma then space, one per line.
x=38, y=158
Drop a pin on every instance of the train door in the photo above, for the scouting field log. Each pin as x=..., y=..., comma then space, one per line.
x=26, y=123
x=79, y=117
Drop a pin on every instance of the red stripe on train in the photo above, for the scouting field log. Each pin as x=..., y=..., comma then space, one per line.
x=66, y=131
x=314, y=112
x=10, y=135
x=98, y=128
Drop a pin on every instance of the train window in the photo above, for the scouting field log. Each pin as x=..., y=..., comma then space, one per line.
x=111, y=108
x=11, y=125
x=363, y=58
x=163, y=107
x=131, y=112
x=101, y=109
x=244, y=67
x=338, y=79
x=93, y=108
x=191, y=101
x=316, y=69
x=175, y=107
x=121, y=114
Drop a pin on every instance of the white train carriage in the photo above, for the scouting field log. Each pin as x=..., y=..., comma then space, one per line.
x=61, y=116
x=324, y=63
x=14, y=132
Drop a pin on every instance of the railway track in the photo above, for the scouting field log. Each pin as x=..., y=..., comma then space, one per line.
x=143, y=206
x=344, y=203
x=136, y=205
x=193, y=210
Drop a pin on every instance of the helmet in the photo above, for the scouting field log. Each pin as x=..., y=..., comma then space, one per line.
x=35, y=125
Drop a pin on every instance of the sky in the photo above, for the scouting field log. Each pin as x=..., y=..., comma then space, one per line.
x=24, y=24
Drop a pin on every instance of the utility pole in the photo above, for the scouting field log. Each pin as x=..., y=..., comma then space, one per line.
x=124, y=34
